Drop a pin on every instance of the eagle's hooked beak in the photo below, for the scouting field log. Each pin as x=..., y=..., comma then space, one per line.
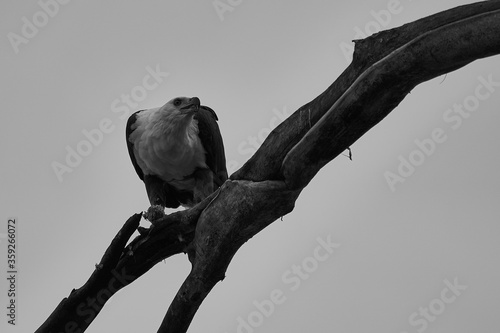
x=193, y=105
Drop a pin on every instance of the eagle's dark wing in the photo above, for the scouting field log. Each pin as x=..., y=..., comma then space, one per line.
x=211, y=139
x=130, y=124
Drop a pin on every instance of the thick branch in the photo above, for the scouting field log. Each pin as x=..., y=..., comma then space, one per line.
x=385, y=83
x=385, y=67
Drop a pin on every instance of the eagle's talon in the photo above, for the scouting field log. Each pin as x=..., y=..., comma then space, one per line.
x=143, y=231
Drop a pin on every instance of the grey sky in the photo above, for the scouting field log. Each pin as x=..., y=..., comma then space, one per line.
x=70, y=86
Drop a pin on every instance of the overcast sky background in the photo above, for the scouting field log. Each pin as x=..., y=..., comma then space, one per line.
x=254, y=64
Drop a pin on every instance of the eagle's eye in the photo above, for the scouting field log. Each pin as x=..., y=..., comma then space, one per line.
x=177, y=102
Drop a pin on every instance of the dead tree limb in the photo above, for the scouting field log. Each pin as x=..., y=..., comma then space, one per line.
x=385, y=68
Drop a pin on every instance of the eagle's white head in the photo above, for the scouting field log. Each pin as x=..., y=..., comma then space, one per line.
x=176, y=116
x=181, y=107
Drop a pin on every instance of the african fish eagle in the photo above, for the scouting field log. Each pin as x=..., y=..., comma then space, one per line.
x=177, y=151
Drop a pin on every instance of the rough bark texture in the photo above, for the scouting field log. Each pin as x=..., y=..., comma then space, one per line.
x=385, y=68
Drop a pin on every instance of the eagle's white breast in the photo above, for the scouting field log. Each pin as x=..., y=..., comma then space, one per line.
x=167, y=145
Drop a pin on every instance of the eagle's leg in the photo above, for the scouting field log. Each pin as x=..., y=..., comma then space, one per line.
x=204, y=184
x=154, y=187
x=160, y=193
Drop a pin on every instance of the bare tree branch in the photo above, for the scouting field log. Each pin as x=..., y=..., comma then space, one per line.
x=121, y=265
x=385, y=68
